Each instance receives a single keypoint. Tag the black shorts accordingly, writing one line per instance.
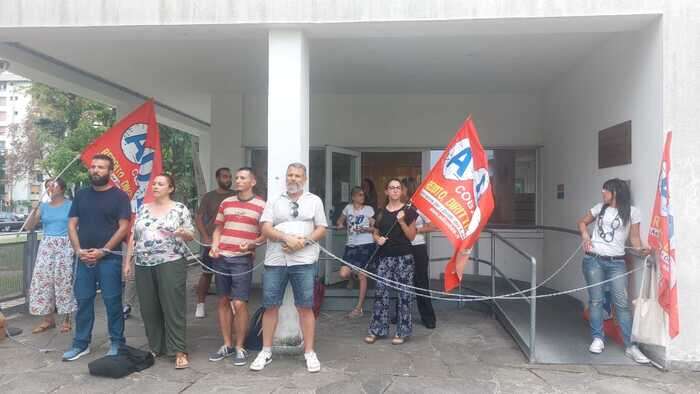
(236, 287)
(359, 255)
(207, 260)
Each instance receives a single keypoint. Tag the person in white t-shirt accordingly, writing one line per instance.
(293, 223)
(358, 219)
(615, 221)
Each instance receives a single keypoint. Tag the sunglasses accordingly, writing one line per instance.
(294, 206)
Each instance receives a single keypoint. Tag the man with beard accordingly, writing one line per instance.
(98, 222)
(290, 221)
(205, 222)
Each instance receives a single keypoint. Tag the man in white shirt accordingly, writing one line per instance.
(289, 222)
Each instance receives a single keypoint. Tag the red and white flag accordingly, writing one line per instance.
(457, 196)
(134, 145)
(662, 241)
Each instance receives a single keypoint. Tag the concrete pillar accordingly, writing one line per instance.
(288, 139)
(226, 137)
(681, 65)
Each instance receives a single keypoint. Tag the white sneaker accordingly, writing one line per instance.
(635, 354)
(312, 363)
(200, 313)
(597, 346)
(261, 361)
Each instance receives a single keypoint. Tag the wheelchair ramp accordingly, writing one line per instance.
(562, 335)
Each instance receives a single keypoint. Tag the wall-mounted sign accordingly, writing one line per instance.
(615, 145)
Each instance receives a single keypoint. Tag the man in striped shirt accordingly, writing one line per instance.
(236, 236)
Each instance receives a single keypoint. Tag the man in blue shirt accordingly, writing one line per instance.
(98, 222)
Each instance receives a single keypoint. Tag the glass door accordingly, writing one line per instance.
(342, 173)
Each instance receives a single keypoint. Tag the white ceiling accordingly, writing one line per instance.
(183, 66)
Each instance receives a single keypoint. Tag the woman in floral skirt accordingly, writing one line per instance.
(51, 289)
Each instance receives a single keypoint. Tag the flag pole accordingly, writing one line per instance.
(43, 193)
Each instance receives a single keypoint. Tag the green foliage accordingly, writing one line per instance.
(67, 123)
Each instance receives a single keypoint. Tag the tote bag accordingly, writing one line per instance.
(650, 325)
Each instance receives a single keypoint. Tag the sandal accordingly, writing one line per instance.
(398, 341)
(181, 361)
(355, 313)
(43, 327)
(66, 326)
(370, 339)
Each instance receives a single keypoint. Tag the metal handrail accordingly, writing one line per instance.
(493, 231)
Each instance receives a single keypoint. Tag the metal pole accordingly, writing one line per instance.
(475, 268)
(30, 248)
(533, 309)
(493, 273)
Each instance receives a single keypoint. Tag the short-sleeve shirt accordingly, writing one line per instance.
(421, 221)
(357, 219)
(241, 223)
(99, 213)
(609, 235)
(279, 212)
(54, 220)
(209, 207)
(154, 241)
(397, 243)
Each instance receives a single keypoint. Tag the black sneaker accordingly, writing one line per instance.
(223, 352)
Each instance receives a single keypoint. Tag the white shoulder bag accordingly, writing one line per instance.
(650, 323)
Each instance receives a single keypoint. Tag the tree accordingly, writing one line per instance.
(63, 124)
(66, 124)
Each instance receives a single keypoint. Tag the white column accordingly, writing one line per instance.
(288, 139)
(681, 65)
(226, 138)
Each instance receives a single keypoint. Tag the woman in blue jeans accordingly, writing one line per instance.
(614, 221)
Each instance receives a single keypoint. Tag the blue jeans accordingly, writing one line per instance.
(301, 277)
(597, 270)
(108, 273)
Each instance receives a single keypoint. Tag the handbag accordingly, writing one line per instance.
(253, 341)
(319, 293)
(127, 361)
(650, 324)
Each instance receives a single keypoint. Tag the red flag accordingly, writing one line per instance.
(134, 145)
(662, 241)
(457, 197)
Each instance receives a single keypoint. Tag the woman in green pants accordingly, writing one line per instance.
(158, 251)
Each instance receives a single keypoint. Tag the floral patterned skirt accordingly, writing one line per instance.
(52, 281)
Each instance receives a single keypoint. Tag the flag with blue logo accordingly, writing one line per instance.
(457, 196)
(134, 144)
(662, 241)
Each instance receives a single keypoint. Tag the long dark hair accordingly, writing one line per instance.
(621, 195)
(370, 193)
(411, 184)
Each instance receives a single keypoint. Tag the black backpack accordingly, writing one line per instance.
(253, 341)
(127, 361)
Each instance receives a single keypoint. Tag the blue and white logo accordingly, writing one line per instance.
(134, 147)
(459, 164)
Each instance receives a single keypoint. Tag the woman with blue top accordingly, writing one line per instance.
(52, 281)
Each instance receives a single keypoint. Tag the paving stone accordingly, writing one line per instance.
(469, 352)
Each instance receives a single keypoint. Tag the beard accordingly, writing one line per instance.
(97, 180)
(225, 185)
(294, 187)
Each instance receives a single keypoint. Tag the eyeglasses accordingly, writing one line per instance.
(394, 187)
(294, 206)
